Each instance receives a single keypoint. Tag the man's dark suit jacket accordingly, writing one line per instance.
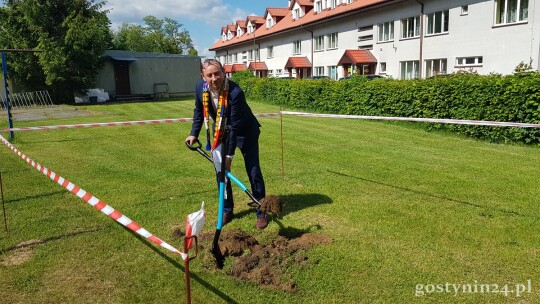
(244, 125)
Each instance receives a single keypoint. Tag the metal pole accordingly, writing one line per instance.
(4, 69)
(281, 130)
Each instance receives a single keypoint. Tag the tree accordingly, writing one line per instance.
(72, 36)
(157, 35)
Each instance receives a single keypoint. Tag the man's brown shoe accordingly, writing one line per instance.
(227, 217)
(262, 222)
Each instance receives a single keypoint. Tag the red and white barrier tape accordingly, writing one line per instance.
(114, 124)
(95, 202)
(436, 120)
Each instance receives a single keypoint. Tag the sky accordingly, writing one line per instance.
(203, 19)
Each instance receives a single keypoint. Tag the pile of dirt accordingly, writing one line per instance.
(266, 265)
(271, 204)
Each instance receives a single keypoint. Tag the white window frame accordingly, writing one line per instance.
(382, 67)
(409, 69)
(365, 47)
(437, 23)
(270, 51)
(408, 24)
(464, 10)
(386, 31)
(332, 41)
(503, 14)
(318, 6)
(296, 14)
(297, 47)
(319, 71)
(269, 21)
(433, 67)
(471, 61)
(333, 72)
(319, 43)
(235, 57)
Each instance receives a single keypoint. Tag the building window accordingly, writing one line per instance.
(382, 68)
(270, 51)
(469, 61)
(332, 41)
(269, 22)
(365, 38)
(235, 57)
(510, 11)
(410, 27)
(409, 69)
(297, 47)
(224, 37)
(279, 71)
(319, 43)
(334, 3)
(366, 47)
(296, 13)
(318, 6)
(386, 31)
(319, 71)
(365, 28)
(435, 67)
(464, 10)
(332, 72)
(229, 59)
(250, 55)
(437, 23)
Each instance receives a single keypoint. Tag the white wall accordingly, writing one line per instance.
(475, 34)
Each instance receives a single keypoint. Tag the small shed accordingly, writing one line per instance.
(154, 75)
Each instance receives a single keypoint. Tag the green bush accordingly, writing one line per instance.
(468, 96)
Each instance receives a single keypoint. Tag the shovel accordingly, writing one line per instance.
(197, 147)
(216, 252)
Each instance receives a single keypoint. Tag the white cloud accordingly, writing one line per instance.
(203, 19)
(206, 12)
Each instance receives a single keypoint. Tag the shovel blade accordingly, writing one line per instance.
(216, 252)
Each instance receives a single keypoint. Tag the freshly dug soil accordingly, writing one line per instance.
(271, 204)
(266, 265)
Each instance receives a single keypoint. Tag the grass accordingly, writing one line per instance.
(403, 206)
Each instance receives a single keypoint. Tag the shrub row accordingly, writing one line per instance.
(511, 98)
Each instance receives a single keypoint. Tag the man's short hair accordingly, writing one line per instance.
(209, 62)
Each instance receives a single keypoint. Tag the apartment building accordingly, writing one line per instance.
(402, 39)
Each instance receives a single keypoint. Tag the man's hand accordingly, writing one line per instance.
(191, 140)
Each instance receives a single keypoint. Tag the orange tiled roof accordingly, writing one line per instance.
(302, 3)
(258, 66)
(277, 11)
(287, 22)
(257, 19)
(241, 23)
(357, 56)
(298, 62)
(228, 68)
(238, 67)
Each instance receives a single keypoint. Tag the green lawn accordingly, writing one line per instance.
(403, 207)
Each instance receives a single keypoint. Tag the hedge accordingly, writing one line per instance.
(510, 98)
